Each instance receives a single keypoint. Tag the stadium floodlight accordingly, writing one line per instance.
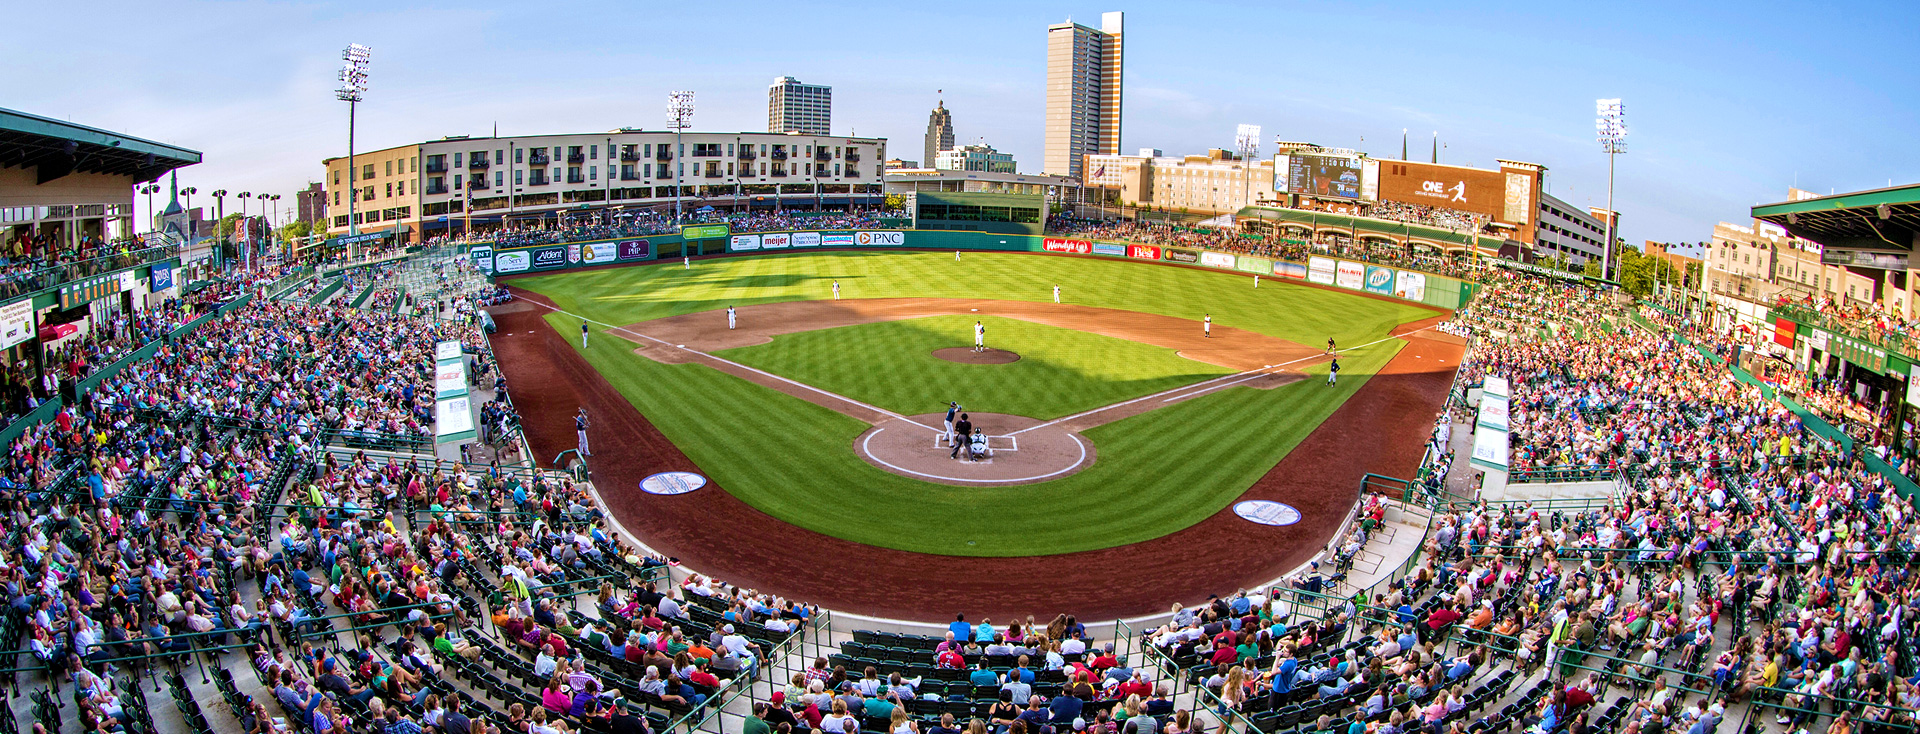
(353, 84)
(1611, 123)
(679, 117)
(1246, 140)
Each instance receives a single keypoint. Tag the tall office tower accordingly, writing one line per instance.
(939, 133)
(1083, 94)
(793, 107)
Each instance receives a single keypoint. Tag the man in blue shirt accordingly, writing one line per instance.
(960, 629)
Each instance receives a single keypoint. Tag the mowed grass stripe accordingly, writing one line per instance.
(1060, 371)
(1158, 472)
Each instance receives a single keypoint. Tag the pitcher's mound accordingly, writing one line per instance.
(966, 355)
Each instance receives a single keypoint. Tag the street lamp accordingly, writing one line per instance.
(191, 224)
(1247, 141)
(679, 117)
(150, 190)
(353, 83)
(1611, 123)
(246, 241)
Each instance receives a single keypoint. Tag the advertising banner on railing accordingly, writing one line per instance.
(1493, 412)
(512, 262)
(162, 277)
(1379, 279)
(1348, 274)
(636, 250)
(743, 243)
(1490, 449)
(1410, 285)
(1494, 386)
(450, 379)
(806, 239)
(549, 257)
(599, 253)
(1216, 260)
(880, 239)
(1259, 265)
(1286, 269)
(1783, 331)
(1108, 248)
(482, 258)
(453, 420)
(1320, 270)
(776, 240)
(1183, 256)
(1143, 252)
(16, 322)
(1058, 245)
(838, 239)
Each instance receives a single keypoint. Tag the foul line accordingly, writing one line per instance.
(1199, 388)
(723, 360)
(865, 445)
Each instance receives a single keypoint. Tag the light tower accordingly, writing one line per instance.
(1611, 123)
(1246, 140)
(353, 83)
(679, 117)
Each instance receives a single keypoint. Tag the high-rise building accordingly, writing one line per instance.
(939, 133)
(311, 203)
(975, 158)
(1083, 94)
(793, 107)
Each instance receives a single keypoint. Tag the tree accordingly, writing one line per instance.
(1596, 268)
(294, 230)
(895, 202)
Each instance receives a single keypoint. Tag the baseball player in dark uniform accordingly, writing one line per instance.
(580, 427)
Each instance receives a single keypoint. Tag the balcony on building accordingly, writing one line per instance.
(852, 172)
(629, 155)
(477, 163)
(716, 173)
(822, 154)
(779, 155)
(434, 166)
(479, 182)
(576, 157)
(853, 156)
(576, 178)
(433, 189)
(779, 173)
(662, 153)
(746, 153)
(538, 158)
(537, 178)
(631, 176)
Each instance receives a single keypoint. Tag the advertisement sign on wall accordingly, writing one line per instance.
(1913, 386)
(1056, 245)
(776, 240)
(162, 276)
(1410, 285)
(806, 239)
(1259, 265)
(482, 258)
(1783, 331)
(703, 231)
(843, 239)
(599, 253)
(16, 322)
(573, 254)
(1320, 270)
(511, 262)
(550, 257)
(1446, 187)
(744, 242)
(1183, 256)
(1350, 275)
(1379, 280)
(1286, 269)
(1144, 252)
(1216, 259)
(636, 250)
(1102, 248)
(880, 239)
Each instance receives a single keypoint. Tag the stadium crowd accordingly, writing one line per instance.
(1267, 245)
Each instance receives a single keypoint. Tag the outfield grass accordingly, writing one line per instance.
(1158, 472)
(1060, 372)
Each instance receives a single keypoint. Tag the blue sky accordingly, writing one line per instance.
(1729, 104)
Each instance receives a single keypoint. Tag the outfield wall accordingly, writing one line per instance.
(1411, 285)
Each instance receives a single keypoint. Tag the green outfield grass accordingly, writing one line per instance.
(1158, 472)
(891, 364)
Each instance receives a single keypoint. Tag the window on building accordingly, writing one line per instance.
(336, 177)
(497, 157)
(413, 164)
(456, 160)
(646, 150)
(518, 158)
(366, 172)
(403, 188)
(593, 173)
(499, 178)
(593, 152)
(519, 176)
(336, 196)
(389, 189)
(389, 168)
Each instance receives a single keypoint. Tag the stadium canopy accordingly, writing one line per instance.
(1883, 220)
(56, 149)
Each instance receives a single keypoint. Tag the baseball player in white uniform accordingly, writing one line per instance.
(979, 337)
(686, 261)
(1206, 326)
(1056, 294)
(956, 256)
(1256, 282)
(731, 322)
(836, 290)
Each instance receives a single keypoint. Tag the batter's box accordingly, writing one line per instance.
(994, 443)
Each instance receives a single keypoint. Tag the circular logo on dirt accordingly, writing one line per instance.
(682, 482)
(1266, 512)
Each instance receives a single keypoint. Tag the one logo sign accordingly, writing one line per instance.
(777, 240)
(598, 252)
(511, 262)
(1077, 246)
(806, 239)
(880, 239)
(1102, 248)
(573, 253)
(1266, 512)
(635, 250)
(1144, 252)
(836, 240)
(551, 257)
(672, 482)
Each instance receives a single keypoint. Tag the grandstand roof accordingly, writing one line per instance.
(1881, 219)
(56, 148)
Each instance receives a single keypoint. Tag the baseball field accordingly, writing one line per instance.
(771, 411)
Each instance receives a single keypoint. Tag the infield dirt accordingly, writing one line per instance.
(1381, 429)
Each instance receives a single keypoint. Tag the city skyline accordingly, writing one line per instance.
(1770, 100)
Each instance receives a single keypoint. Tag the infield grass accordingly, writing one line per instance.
(1158, 472)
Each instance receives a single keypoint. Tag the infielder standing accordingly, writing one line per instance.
(836, 290)
(730, 319)
(1206, 326)
(979, 337)
(1056, 294)
(583, 333)
(580, 427)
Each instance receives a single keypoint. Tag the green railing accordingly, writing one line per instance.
(50, 276)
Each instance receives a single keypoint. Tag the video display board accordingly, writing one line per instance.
(1324, 175)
